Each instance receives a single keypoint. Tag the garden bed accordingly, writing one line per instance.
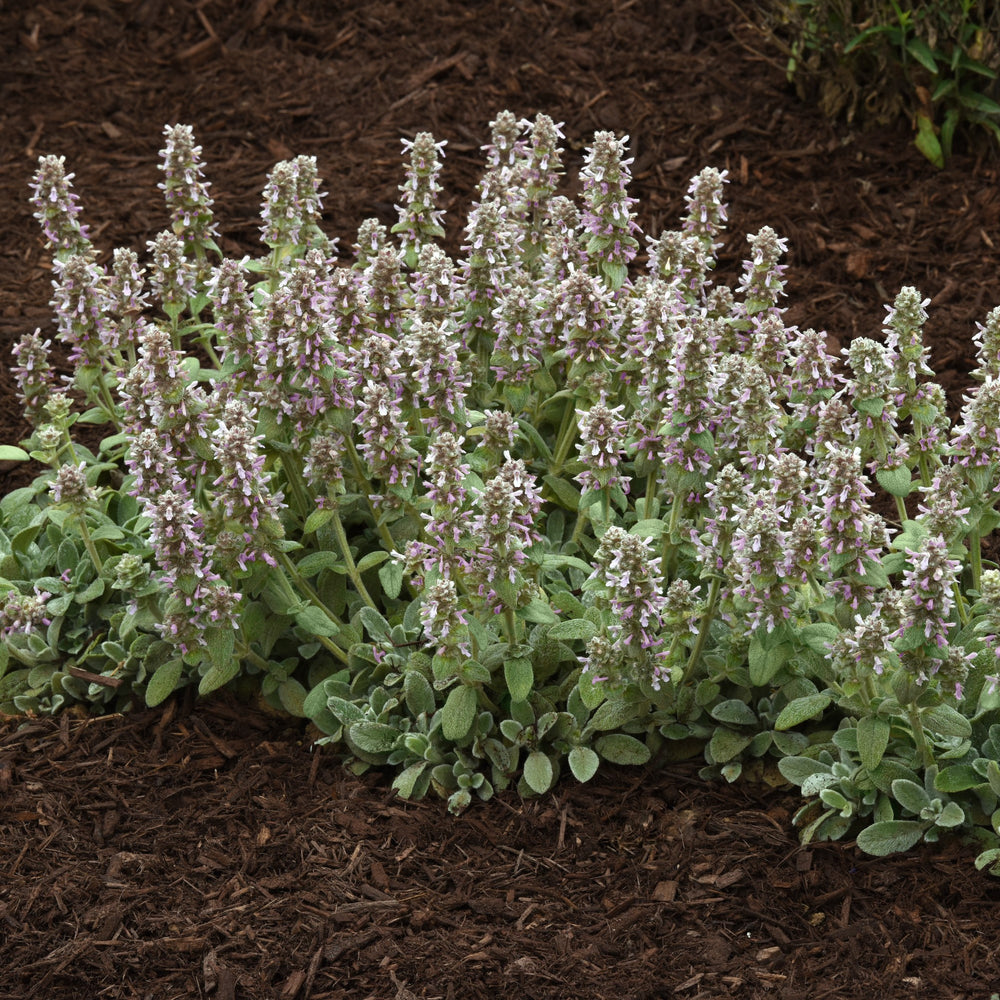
(204, 848)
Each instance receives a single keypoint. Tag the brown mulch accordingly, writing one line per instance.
(204, 850)
(208, 850)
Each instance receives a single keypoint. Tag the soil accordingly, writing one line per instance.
(205, 849)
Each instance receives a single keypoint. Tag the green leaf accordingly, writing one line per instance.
(765, 663)
(371, 560)
(406, 781)
(951, 816)
(591, 692)
(734, 712)
(218, 675)
(315, 701)
(650, 528)
(538, 772)
(583, 762)
(538, 612)
(520, 677)
(889, 771)
(873, 738)
(292, 695)
(374, 737)
(22, 539)
(817, 635)
(790, 744)
(316, 621)
(108, 530)
(221, 642)
(317, 519)
(346, 711)
(528, 429)
(615, 273)
(992, 858)
(798, 769)
(17, 503)
(910, 795)
(390, 575)
(316, 562)
(979, 102)
(833, 799)
(993, 777)
(92, 592)
(873, 406)
(946, 721)
(164, 682)
(897, 482)
(863, 36)
(726, 744)
(567, 494)
(574, 628)
(801, 709)
(620, 748)
(958, 778)
(418, 694)
(612, 715)
(9, 453)
(921, 51)
(927, 142)
(890, 837)
(458, 713)
(375, 624)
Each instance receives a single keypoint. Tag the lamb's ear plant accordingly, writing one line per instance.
(489, 520)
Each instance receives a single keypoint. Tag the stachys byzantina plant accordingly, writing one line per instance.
(545, 503)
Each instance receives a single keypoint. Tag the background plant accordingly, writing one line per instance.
(936, 62)
(487, 519)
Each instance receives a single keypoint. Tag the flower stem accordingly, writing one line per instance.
(302, 584)
(567, 434)
(651, 492)
(919, 739)
(706, 622)
(345, 551)
(88, 544)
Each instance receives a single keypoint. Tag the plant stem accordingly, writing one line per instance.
(706, 622)
(368, 490)
(565, 439)
(919, 739)
(292, 467)
(302, 584)
(975, 558)
(88, 543)
(345, 551)
(651, 492)
(510, 624)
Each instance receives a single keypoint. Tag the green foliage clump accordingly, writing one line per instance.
(488, 520)
(934, 62)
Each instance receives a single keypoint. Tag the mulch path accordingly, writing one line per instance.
(204, 849)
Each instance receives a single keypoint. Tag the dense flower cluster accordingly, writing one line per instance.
(602, 443)
(419, 218)
(292, 202)
(608, 218)
(33, 374)
(23, 614)
(184, 188)
(634, 583)
(57, 207)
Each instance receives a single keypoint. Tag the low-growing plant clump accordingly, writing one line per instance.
(935, 62)
(485, 520)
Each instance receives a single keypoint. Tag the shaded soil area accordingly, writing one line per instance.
(204, 850)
